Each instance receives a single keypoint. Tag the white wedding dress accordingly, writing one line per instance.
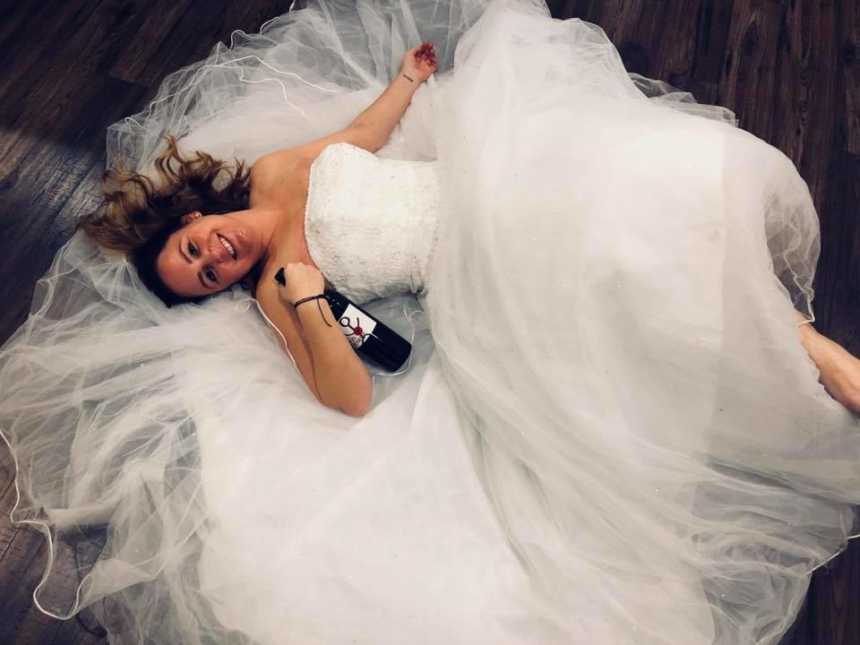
(608, 431)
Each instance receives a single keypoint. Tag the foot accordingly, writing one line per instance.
(839, 369)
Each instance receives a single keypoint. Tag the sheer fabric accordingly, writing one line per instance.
(608, 432)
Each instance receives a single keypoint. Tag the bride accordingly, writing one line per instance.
(191, 257)
(616, 425)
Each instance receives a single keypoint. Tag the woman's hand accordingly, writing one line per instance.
(419, 62)
(302, 280)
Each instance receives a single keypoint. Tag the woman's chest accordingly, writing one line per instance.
(286, 191)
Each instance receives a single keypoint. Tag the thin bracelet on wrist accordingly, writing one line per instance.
(318, 297)
(409, 78)
(308, 299)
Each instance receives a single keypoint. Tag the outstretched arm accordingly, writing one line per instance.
(369, 130)
(385, 112)
(840, 370)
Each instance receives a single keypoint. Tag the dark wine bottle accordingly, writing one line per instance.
(369, 336)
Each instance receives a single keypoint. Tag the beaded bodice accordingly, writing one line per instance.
(371, 223)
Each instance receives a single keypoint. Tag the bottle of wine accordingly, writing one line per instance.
(370, 337)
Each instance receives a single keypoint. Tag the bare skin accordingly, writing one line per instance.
(839, 369)
(210, 253)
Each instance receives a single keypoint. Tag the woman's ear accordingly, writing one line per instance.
(190, 217)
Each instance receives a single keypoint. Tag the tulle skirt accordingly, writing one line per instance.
(608, 431)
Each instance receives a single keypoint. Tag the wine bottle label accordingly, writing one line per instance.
(356, 326)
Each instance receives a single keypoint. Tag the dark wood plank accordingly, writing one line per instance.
(7, 501)
(748, 81)
(203, 25)
(712, 32)
(804, 127)
(155, 25)
(848, 14)
(28, 38)
(57, 96)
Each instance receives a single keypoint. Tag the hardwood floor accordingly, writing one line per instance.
(788, 68)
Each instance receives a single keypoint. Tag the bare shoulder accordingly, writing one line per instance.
(278, 171)
(280, 160)
(302, 156)
(283, 174)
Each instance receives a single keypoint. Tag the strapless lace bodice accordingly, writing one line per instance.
(371, 223)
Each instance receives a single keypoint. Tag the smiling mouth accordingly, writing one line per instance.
(226, 243)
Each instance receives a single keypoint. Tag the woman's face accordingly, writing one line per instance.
(208, 254)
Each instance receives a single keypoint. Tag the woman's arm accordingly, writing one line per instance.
(370, 129)
(839, 369)
(378, 120)
(342, 379)
(330, 367)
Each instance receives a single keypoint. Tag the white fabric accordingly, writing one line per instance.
(371, 223)
(608, 432)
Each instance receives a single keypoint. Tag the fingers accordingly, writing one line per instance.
(294, 272)
(281, 277)
(425, 52)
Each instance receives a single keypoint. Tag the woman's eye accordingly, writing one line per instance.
(192, 249)
(210, 274)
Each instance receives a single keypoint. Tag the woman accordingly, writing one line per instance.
(193, 257)
(613, 434)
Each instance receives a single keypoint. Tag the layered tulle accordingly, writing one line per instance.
(613, 305)
(609, 431)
